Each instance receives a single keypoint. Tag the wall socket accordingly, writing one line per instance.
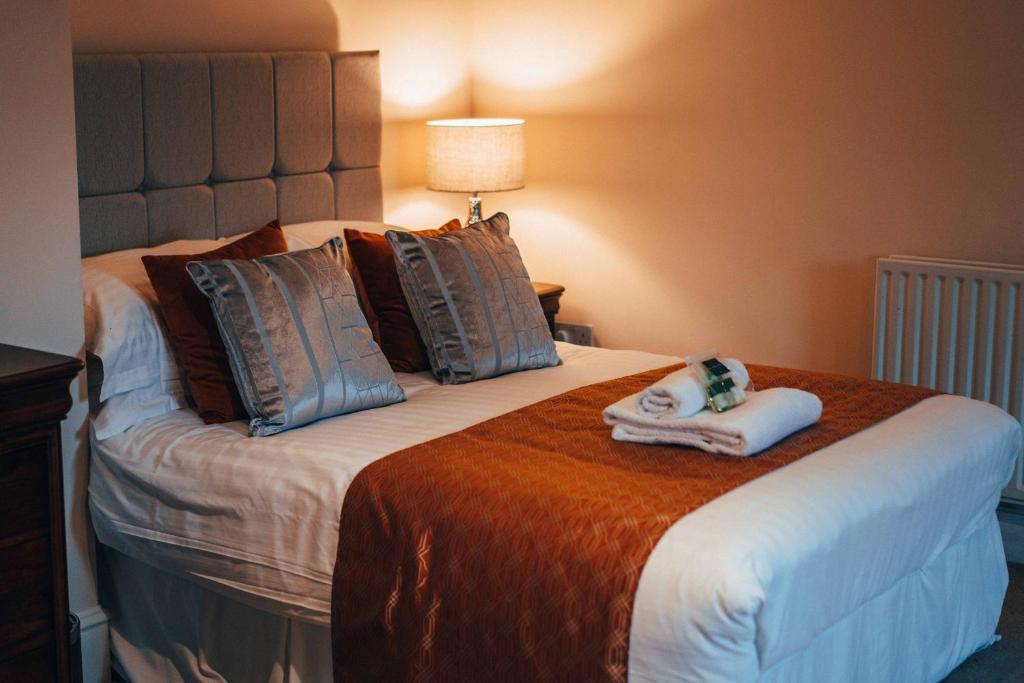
(581, 334)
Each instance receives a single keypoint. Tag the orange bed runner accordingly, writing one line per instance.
(512, 550)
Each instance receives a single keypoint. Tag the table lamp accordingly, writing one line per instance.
(475, 155)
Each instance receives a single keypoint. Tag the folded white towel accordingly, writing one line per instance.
(681, 394)
(763, 419)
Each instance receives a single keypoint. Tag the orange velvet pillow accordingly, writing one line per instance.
(193, 332)
(380, 292)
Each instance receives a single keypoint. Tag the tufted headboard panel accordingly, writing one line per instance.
(205, 145)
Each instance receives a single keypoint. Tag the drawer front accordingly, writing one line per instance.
(33, 589)
(25, 489)
(36, 665)
(26, 597)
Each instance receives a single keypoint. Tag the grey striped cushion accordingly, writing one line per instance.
(298, 343)
(472, 301)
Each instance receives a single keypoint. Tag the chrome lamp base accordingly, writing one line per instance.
(474, 210)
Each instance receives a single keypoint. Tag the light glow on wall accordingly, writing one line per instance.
(413, 87)
(538, 45)
(418, 208)
(424, 52)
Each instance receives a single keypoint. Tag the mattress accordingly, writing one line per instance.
(736, 590)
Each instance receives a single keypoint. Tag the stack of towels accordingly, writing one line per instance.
(674, 411)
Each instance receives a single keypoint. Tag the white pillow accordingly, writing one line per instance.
(124, 329)
(122, 322)
(313, 234)
(122, 412)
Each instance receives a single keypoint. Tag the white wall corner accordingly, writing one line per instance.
(95, 645)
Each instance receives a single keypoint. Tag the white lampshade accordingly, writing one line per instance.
(475, 155)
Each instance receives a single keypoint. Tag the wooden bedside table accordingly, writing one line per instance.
(34, 398)
(549, 296)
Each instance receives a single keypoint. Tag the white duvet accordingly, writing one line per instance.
(884, 544)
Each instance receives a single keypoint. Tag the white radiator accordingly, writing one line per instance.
(955, 326)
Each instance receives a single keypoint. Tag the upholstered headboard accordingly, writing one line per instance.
(199, 146)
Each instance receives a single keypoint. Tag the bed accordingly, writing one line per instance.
(875, 558)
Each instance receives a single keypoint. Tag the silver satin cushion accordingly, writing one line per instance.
(299, 346)
(473, 302)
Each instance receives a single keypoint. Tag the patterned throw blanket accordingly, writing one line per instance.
(512, 550)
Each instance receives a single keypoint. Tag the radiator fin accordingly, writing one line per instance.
(955, 326)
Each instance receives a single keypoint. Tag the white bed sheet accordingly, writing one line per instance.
(736, 590)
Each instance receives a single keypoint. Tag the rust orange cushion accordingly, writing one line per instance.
(191, 328)
(380, 293)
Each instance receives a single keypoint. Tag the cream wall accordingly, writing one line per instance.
(40, 278)
(722, 173)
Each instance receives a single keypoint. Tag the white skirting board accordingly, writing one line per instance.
(95, 645)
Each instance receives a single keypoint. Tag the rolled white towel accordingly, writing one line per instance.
(681, 394)
(765, 418)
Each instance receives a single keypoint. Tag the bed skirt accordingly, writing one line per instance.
(168, 628)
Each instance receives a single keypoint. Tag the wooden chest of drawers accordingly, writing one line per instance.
(34, 398)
